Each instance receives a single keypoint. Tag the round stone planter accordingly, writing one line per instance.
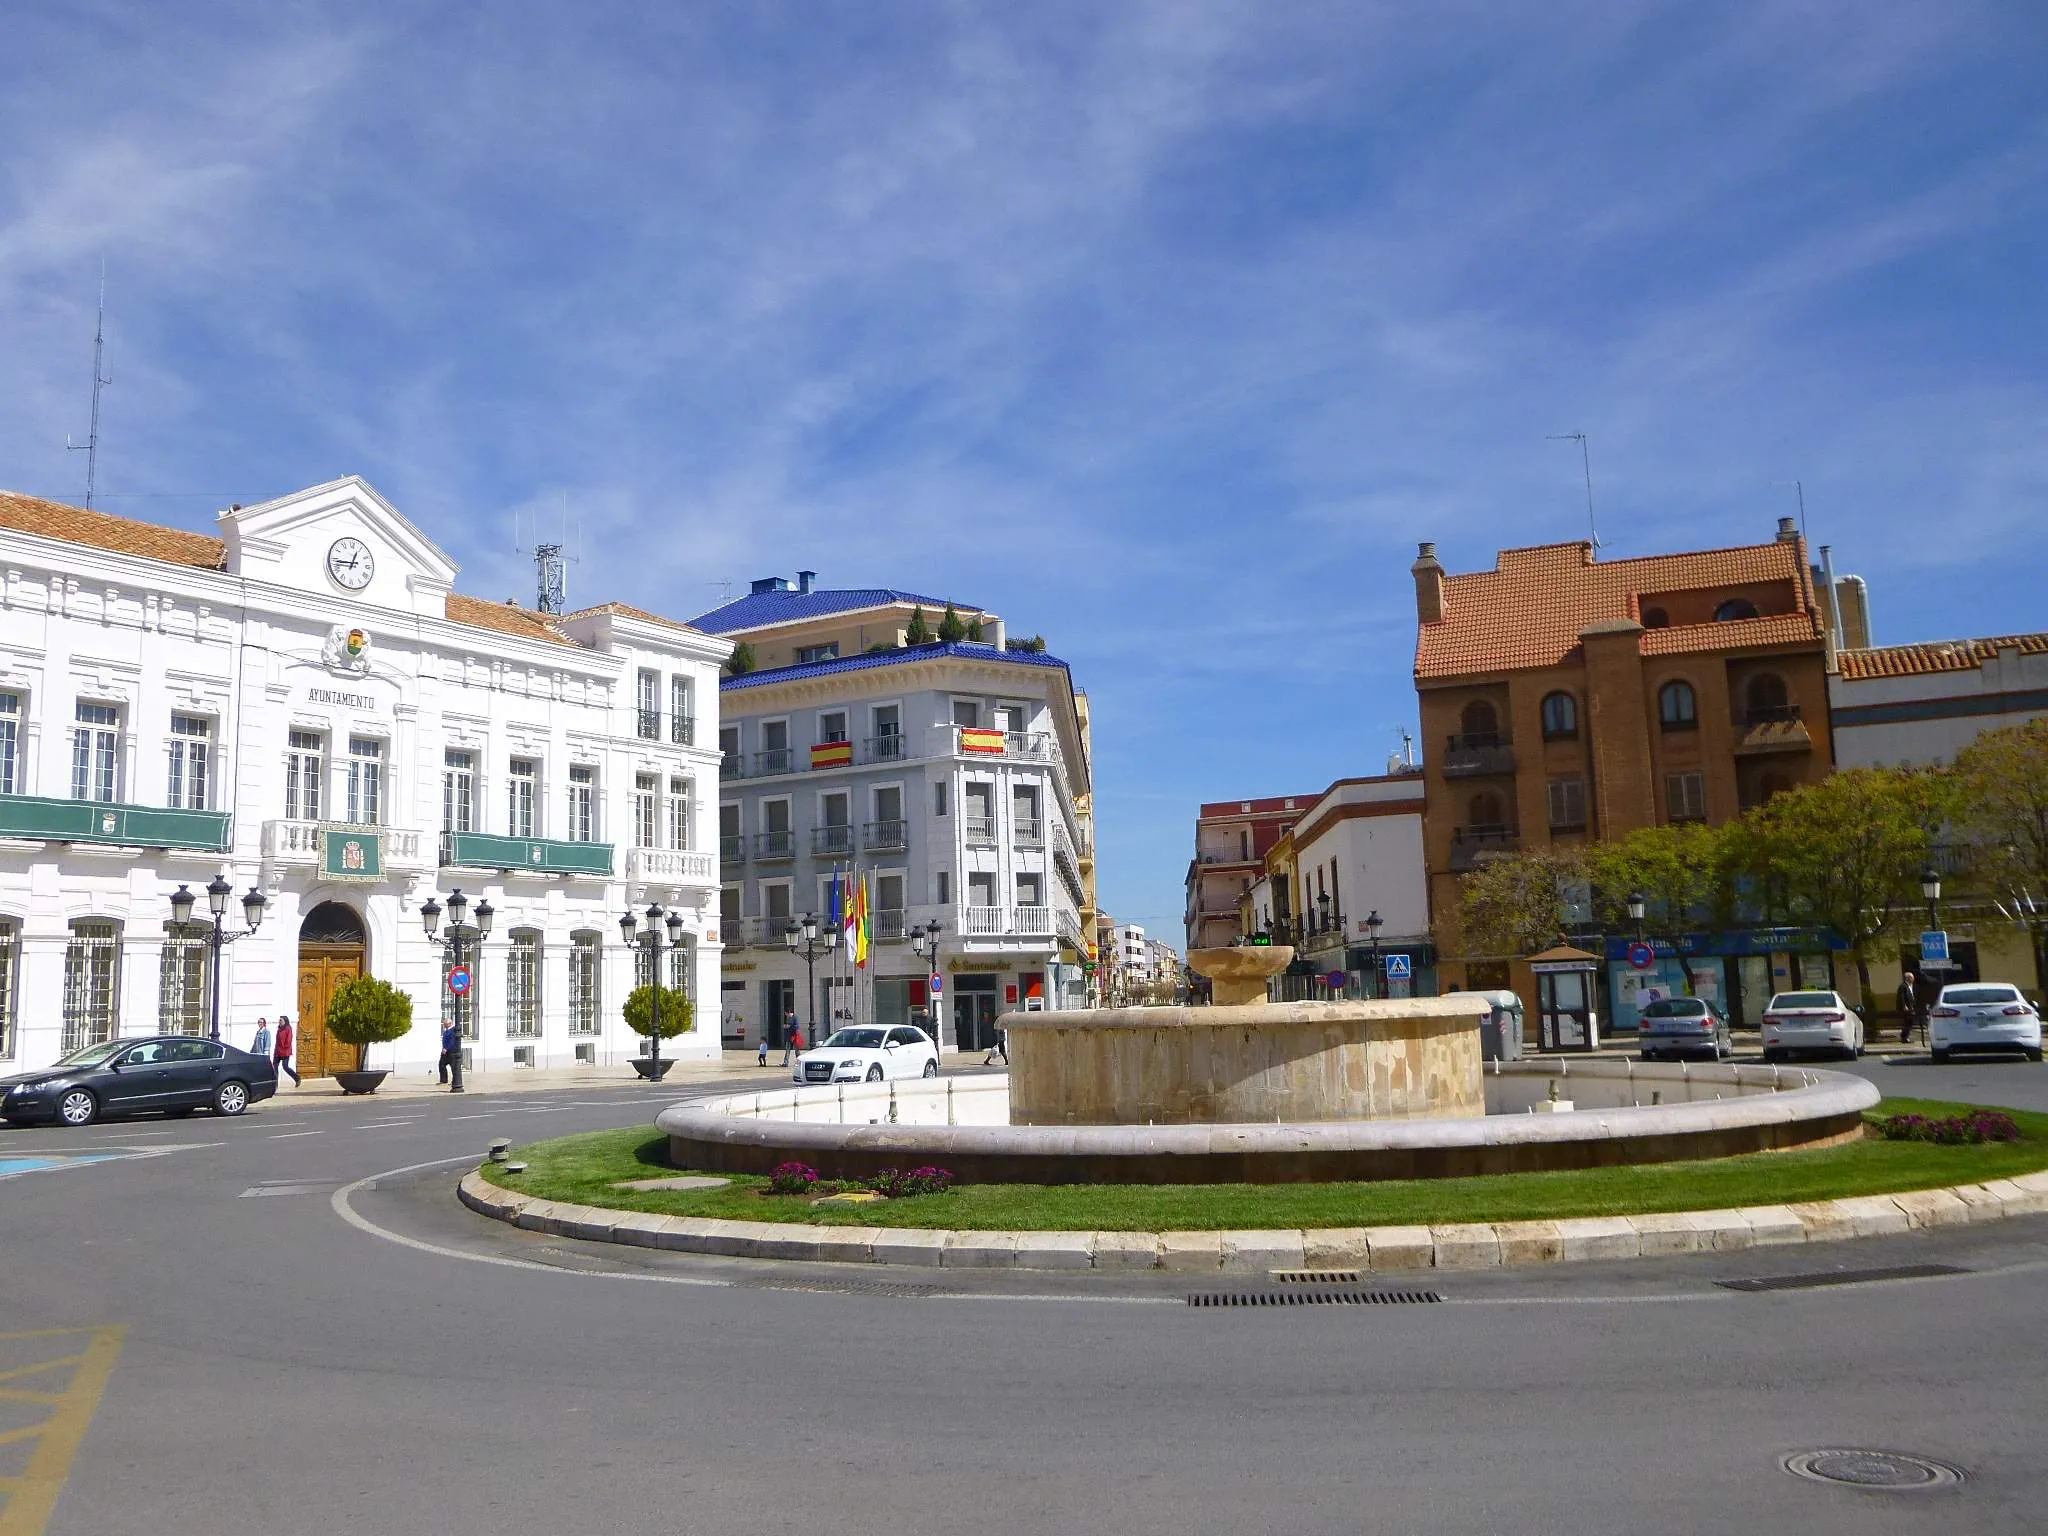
(360, 1082)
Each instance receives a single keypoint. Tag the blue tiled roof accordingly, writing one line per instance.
(909, 653)
(759, 608)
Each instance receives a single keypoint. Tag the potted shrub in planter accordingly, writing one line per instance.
(678, 1017)
(362, 1013)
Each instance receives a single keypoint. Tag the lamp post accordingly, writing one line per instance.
(461, 935)
(802, 938)
(924, 943)
(647, 933)
(217, 893)
(1373, 924)
(1930, 887)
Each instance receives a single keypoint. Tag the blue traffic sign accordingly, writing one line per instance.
(458, 980)
(1934, 947)
(1398, 968)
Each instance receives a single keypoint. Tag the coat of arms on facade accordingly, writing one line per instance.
(347, 650)
(352, 856)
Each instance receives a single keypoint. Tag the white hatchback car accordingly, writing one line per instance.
(869, 1053)
(1983, 1016)
(1811, 1021)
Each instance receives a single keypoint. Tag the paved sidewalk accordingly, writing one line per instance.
(736, 1067)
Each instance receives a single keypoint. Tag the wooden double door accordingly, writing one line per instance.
(323, 968)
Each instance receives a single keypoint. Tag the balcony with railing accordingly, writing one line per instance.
(287, 843)
(112, 822)
(978, 829)
(731, 765)
(890, 923)
(988, 741)
(1473, 846)
(774, 846)
(832, 840)
(774, 760)
(670, 866)
(1028, 831)
(1478, 754)
(892, 748)
(682, 730)
(732, 849)
(649, 724)
(885, 836)
(1773, 728)
(535, 855)
(1005, 922)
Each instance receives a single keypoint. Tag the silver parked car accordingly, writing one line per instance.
(1684, 1026)
(1811, 1021)
(1983, 1016)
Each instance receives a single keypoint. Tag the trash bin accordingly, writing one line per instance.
(1500, 1029)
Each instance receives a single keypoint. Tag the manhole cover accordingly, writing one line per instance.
(1872, 1469)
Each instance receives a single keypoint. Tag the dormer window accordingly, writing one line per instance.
(1735, 608)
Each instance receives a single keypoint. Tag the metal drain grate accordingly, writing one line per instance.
(1315, 1277)
(1841, 1277)
(1310, 1297)
(1891, 1471)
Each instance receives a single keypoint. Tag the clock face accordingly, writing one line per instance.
(349, 563)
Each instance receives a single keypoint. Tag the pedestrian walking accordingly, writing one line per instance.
(260, 1046)
(1909, 1005)
(1000, 1048)
(451, 1049)
(797, 1040)
(281, 1053)
(762, 1059)
(789, 1034)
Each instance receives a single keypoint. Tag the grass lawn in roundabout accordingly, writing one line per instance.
(587, 1170)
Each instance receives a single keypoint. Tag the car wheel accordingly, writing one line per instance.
(78, 1107)
(1939, 1053)
(1649, 1055)
(2034, 1054)
(1773, 1055)
(230, 1098)
(875, 1073)
(931, 1068)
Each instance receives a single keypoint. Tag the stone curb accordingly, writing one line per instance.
(1378, 1250)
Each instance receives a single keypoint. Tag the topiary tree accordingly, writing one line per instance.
(950, 627)
(365, 1012)
(741, 661)
(974, 629)
(917, 632)
(678, 1014)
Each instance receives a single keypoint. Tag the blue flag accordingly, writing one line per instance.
(838, 914)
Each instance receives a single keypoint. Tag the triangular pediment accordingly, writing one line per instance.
(293, 541)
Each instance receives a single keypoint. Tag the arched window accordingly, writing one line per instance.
(1656, 618)
(1480, 724)
(1486, 811)
(1735, 608)
(1678, 708)
(1560, 716)
(1765, 694)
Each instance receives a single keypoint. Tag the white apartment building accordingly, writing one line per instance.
(1919, 705)
(1133, 959)
(306, 707)
(953, 776)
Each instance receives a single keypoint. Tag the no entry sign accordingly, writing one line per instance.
(458, 980)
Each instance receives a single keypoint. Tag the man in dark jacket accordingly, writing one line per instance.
(1909, 1006)
(451, 1056)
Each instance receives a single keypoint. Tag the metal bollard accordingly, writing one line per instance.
(501, 1149)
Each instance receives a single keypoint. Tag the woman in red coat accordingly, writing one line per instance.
(286, 1039)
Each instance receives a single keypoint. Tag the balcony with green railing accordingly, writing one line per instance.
(112, 822)
(536, 855)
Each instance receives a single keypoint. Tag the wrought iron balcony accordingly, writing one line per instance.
(1478, 754)
(829, 840)
(650, 724)
(891, 748)
(1473, 846)
(1030, 831)
(978, 829)
(774, 760)
(731, 765)
(889, 922)
(774, 845)
(885, 836)
(682, 730)
(732, 849)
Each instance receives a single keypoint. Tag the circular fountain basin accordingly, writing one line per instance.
(1622, 1112)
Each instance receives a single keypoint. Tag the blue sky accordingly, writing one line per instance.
(1164, 329)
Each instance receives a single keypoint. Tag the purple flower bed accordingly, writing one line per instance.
(893, 1184)
(1973, 1129)
(793, 1179)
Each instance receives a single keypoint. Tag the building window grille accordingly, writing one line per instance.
(1560, 717)
(650, 705)
(470, 1004)
(582, 804)
(92, 971)
(304, 763)
(95, 745)
(458, 791)
(365, 781)
(682, 721)
(181, 981)
(1567, 804)
(10, 951)
(1686, 796)
(1678, 708)
(522, 987)
(679, 959)
(521, 788)
(10, 744)
(586, 971)
(191, 760)
(646, 823)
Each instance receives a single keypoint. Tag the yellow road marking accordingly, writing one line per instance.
(47, 1365)
(32, 1496)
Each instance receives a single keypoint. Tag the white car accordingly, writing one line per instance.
(1983, 1016)
(1811, 1021)
(869, 1053)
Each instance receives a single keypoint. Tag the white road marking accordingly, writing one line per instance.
(380, 1125)
(453, 1118)
(289, 1135)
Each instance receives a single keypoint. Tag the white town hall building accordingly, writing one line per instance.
(304, 705)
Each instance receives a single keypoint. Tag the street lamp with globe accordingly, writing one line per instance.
(647, 934)
(217, 893)
(802, 938)
(462, 935)
(924, 943)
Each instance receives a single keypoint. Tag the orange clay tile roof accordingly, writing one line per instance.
(509, 618)
(75, 525)
(1531, 608)
(1935, 656)
(628, 611)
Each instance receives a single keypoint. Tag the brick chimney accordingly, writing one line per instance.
(1788, 529)
(1429, 585)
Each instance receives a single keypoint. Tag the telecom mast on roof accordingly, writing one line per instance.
(550, 568)
(91, 446)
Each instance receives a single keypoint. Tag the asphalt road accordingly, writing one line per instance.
(338, 1356)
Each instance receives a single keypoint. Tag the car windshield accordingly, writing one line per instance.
(91, 1055)
(1804, 1000)
(1675, 1008)
(1980, 994)
(856, 1039)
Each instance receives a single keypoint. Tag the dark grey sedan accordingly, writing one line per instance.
(1684, 1026)
(173, 1074)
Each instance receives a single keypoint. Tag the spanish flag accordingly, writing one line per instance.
(861, 923)
(832, 754)
(981, 739)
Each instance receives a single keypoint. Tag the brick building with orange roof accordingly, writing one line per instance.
(1566, 699)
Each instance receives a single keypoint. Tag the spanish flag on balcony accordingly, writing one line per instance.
(832, 754)
(981, 739)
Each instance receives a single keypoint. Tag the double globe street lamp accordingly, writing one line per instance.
(217, 894)
(924, 943)
(461, 935)
(802, 937)
(646, 933)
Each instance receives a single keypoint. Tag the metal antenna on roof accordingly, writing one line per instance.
(550, 562)
(1800, 487)
(724, 585)
(91, 446)
(1586, 458)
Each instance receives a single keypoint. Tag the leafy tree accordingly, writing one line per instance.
(950, 627)
(1846, 853)
(741, 661)
(974, 629)
(1681, 872)
(917, 631)
(2001, 784)
(365, 1012)
(1029, 644)
(1516, 905)
(678, 1013)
